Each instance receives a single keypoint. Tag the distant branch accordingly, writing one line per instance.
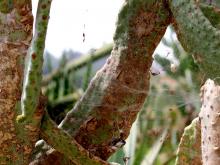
(78, 63)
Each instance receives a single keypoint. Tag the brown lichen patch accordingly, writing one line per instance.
(44, 17)
(144, 24)
(91, 125)
(33, 56)
(51, 157)
(10, 90)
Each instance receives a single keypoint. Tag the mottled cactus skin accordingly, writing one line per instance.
(6, 6)
(115, 94)
(34, 63)
(63, 143)
(212, 13)
(141, 25)
(210, 123)
(15, 34)
(189, 151)
(197, 35)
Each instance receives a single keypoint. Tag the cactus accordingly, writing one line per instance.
(34, 63)
(15, 35)
(189, 148)
(88, 72)
(193, 27)
(210, 128)
(64, 144)
(109, 111)
(115, 95)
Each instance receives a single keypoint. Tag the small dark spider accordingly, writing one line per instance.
(117, 142)
(154, 73)
(84, 37)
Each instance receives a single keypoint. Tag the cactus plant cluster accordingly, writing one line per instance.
(101, 120)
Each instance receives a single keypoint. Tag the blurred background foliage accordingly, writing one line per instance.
(172, 102)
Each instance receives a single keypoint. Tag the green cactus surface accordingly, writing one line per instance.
(193, 27)
(34, 63)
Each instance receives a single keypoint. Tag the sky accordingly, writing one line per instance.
(69, 19)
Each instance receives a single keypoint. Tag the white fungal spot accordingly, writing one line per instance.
(173, 67)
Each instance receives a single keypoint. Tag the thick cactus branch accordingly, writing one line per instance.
(63, 143)
(15, 36)
(212, 13)
(193, 27)
(117, 92)
(210, 123)
(189, 150)
(34, 63)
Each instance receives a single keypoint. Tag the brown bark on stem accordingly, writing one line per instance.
(117, 92)
(110, 105)
(15, 36)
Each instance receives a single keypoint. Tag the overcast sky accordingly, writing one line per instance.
(69, 19)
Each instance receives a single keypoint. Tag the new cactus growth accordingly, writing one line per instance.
(34, 63)
(189, 151)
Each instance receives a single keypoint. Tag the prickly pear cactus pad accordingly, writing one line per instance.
(210, 123)
(15, 34)
(198, 35)
(189, 151)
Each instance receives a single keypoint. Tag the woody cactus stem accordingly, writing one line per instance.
(66, 145)
(189, 151)
(33, 64)
(210, 123)
(110, 105)
(193, 27)
(212, 13)
(15, 34)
